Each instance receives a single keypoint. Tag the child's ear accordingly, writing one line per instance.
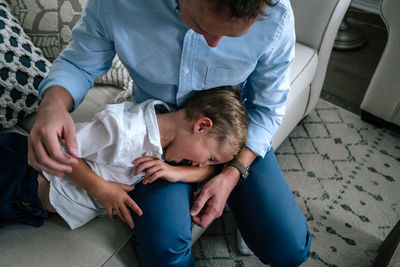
(202, 124)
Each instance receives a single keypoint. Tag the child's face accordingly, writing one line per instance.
(199, 150)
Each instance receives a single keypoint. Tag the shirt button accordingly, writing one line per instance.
(186, 70)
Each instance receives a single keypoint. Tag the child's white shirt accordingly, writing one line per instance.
(118, 134)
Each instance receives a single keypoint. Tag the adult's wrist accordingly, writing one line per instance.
(232, 174)
(243, 170)
(243, 160)
(57, 96)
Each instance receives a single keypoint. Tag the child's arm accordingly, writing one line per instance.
(155, 168)
(111, 195)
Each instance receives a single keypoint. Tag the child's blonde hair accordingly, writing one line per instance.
(223, 106)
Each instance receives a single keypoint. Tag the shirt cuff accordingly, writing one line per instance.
(258, 140)
(64, 75)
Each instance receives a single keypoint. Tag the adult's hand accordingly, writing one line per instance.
(210, 203)
(52, 123)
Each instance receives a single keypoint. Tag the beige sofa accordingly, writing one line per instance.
(381, 102)
(103, 242)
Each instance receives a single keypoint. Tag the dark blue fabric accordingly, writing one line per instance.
(268, 217)
(162, 235)
(264, 208)
(19, 200)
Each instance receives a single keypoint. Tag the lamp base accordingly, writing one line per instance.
(349, 36)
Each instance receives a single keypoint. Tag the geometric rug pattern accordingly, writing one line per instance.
(345, 176)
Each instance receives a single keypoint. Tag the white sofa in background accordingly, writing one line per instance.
(381, 102)
(103, 242)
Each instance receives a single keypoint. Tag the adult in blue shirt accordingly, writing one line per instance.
(172, 48)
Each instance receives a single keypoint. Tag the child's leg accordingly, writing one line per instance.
(43, 192)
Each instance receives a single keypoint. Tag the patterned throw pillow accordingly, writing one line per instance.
(49, 24)
(22, 68)
(117, 75)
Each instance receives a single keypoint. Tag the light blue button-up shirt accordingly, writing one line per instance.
(168, 61)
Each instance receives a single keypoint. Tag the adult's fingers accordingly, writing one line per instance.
(203, 219)
(195, 195)
(32, 161)
(53, 148)
(200, 201)
(70, 140)
(39, 155)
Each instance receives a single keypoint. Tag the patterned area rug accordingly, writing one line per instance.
(345, 176)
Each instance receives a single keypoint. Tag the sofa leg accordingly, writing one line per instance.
(368, 117)
(389, 252)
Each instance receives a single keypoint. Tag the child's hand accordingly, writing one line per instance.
(113, 196)
(155, 168)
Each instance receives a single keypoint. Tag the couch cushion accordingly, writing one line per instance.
(22, 68)
(302, 74)
(303, 71)
(97, 97)
(54, 244)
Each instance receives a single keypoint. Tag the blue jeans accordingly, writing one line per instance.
(266, 213)
(19, 200)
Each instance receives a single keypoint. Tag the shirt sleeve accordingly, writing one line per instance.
(114, 137)
(97, 138)
(267, 88)
(87, 56)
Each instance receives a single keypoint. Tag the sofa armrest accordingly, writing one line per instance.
(317, 22)
(382, 98)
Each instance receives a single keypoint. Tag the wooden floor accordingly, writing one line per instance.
(349, 72)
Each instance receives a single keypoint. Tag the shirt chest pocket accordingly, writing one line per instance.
(225, 76)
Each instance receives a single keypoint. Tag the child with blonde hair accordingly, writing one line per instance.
(124, 144)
